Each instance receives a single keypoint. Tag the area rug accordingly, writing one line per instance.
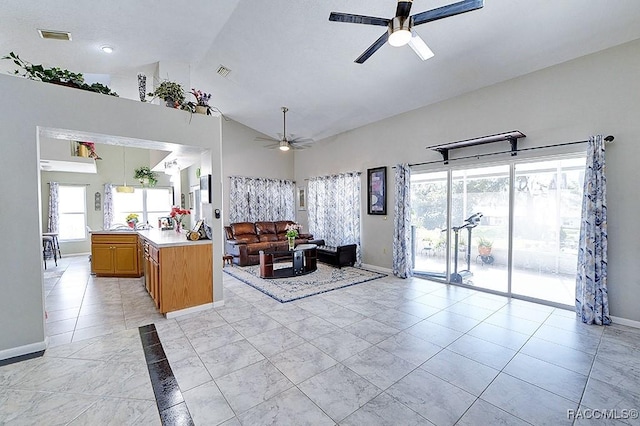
(325, 279)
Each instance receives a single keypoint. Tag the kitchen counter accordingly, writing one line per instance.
(168, 238)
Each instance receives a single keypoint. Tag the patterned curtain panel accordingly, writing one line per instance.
(257, 199)
(54, 217)
(402, 266)
(107, 219)
(334, 209)
(592, 304)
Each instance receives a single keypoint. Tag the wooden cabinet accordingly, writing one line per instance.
(178, 277)
(115, 255)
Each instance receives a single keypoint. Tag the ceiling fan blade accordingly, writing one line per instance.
(301, 140)
(372, 49)
(404, 8)
(260, 138)
(358, 19)
(273, 145)
(420, 47)
(447, 11)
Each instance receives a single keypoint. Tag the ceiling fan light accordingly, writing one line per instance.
(399, 31)
(284, 146)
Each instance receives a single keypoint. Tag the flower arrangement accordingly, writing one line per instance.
(201, 104)
(146, 176)
(202, 98)
(132, 219)
(293, 230)
(178, 214)
(92, 150)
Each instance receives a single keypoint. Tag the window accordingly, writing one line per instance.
(72, 210)
(148, 203)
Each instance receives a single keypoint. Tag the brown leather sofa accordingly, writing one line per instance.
(245, 240)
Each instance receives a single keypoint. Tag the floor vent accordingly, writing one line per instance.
(55, 35)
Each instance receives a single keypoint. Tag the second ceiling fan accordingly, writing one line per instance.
(285, 144)
(400, 27)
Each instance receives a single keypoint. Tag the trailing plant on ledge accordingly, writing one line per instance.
(143, 174)
(170, 92)
(56, 75)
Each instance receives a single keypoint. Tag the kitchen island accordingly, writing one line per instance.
(178, 274)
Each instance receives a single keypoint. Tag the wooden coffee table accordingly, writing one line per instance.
(302, 258)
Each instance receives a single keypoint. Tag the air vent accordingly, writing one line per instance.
(55, 35)
(223, 71)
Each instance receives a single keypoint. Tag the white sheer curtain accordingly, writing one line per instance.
(257, 199)
(334, 209)
(107, 220)
(53, 215)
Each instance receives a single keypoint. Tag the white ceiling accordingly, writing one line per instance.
(289, 53)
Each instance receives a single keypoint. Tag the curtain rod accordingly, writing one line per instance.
(607, 139)
(70, 184)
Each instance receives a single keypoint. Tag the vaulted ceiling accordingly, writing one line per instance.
(288, 52)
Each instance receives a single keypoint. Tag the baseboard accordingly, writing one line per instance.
(23, 350)
(377, 269)
(190, 310)
(624, 321)
(218, 304)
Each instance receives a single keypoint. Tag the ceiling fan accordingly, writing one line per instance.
(285, 144)
(400, 28)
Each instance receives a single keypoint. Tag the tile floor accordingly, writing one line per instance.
(390, 351)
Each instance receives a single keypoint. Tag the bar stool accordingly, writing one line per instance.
(56, 245)
(48, 250)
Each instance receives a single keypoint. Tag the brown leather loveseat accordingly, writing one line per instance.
(244, 240)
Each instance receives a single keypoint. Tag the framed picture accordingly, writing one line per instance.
(205, 189)
(302, 198)
(377, 191)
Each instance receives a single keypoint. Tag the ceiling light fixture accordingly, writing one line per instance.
(399, 31)
(284, 145)
(124, 188)
(107, 49)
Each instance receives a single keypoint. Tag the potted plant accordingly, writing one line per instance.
(201, 105)
(56, 76)
(169, 91)
(484, 246)
(146, 176)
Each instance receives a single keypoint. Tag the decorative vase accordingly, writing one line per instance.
(169, 103)
(83, 151)
(201, 109)
(142, 86)
(292, 242)
(178, 227)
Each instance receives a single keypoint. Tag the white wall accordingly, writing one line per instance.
(568, 102)
(244, 156)
(33, 105)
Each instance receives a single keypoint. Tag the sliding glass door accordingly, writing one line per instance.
(539, 200)
(429, 221)
(480, 218)
(546, 228)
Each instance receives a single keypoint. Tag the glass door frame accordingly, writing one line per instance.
(511, 162)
